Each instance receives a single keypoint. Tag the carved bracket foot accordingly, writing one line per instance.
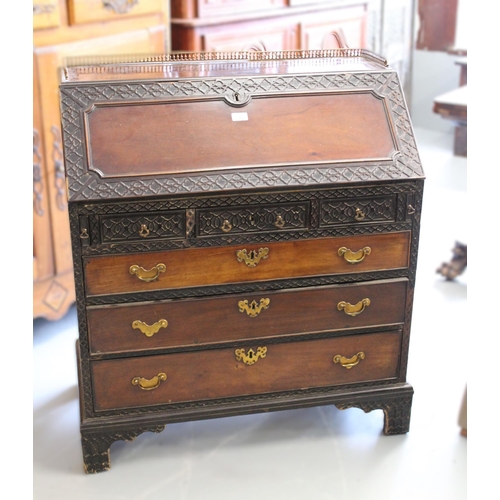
(96, 444)
(397, 412)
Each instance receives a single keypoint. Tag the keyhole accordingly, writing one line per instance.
(237, 97)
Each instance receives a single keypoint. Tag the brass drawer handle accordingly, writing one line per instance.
(353, 310)
(149, 385)
(226, 226)
(252, 258)
(349, 362)
(144, 231)
(360, 215)
(149, 330)
(251, 357)
(253, 309)
(148, 275)
(279, 222)
(354, 257)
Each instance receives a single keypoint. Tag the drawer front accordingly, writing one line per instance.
(166, 225)
(204, 8)
(91, 11)
(180, 323)
(220, 373)
(378, 209)
(245, 263)
(254, 219)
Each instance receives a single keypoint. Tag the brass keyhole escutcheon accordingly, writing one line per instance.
(144, 231)
(253, 257)
(251, 357)
(360, 215)
(253, 309)
(226, 226)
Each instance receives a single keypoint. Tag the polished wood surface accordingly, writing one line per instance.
(291, 312)
(130, 140)
(217, 373)
(210, 266)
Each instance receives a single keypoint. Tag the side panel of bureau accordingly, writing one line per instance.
(218, 373)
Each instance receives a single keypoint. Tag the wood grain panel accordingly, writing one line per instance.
(217, 373)
(289, 312)
(127, 140)
(209, 266)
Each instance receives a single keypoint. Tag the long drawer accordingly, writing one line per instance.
(252, 369)
(245, 263)
(192, 322)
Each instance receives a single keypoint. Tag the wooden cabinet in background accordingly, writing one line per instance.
(383, 26)
(62, 29)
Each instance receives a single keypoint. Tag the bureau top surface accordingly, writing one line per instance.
(207, 122)
(217, 65)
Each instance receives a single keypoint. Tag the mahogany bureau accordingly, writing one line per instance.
(245, 231)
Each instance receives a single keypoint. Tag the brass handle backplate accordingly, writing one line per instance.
(354, 257)
(252, 258)
(150, 274)
(149, 330)
(149, 384)
(253, 309)
(349, 362)
(353, 310)
(251, 357)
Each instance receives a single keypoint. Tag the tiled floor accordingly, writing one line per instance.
(308, 454)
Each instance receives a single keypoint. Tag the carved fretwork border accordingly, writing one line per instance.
(86, 185)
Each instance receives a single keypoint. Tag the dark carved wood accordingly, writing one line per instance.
(296, 209)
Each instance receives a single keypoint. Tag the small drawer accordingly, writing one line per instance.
(359, 210)
(181, 323)
(187, 9)
(254, 368)
(245, 263)
(253, 219)
(46, 14)
(91, 11)
(165, 225)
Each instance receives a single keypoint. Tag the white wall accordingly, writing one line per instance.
(434, 73)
